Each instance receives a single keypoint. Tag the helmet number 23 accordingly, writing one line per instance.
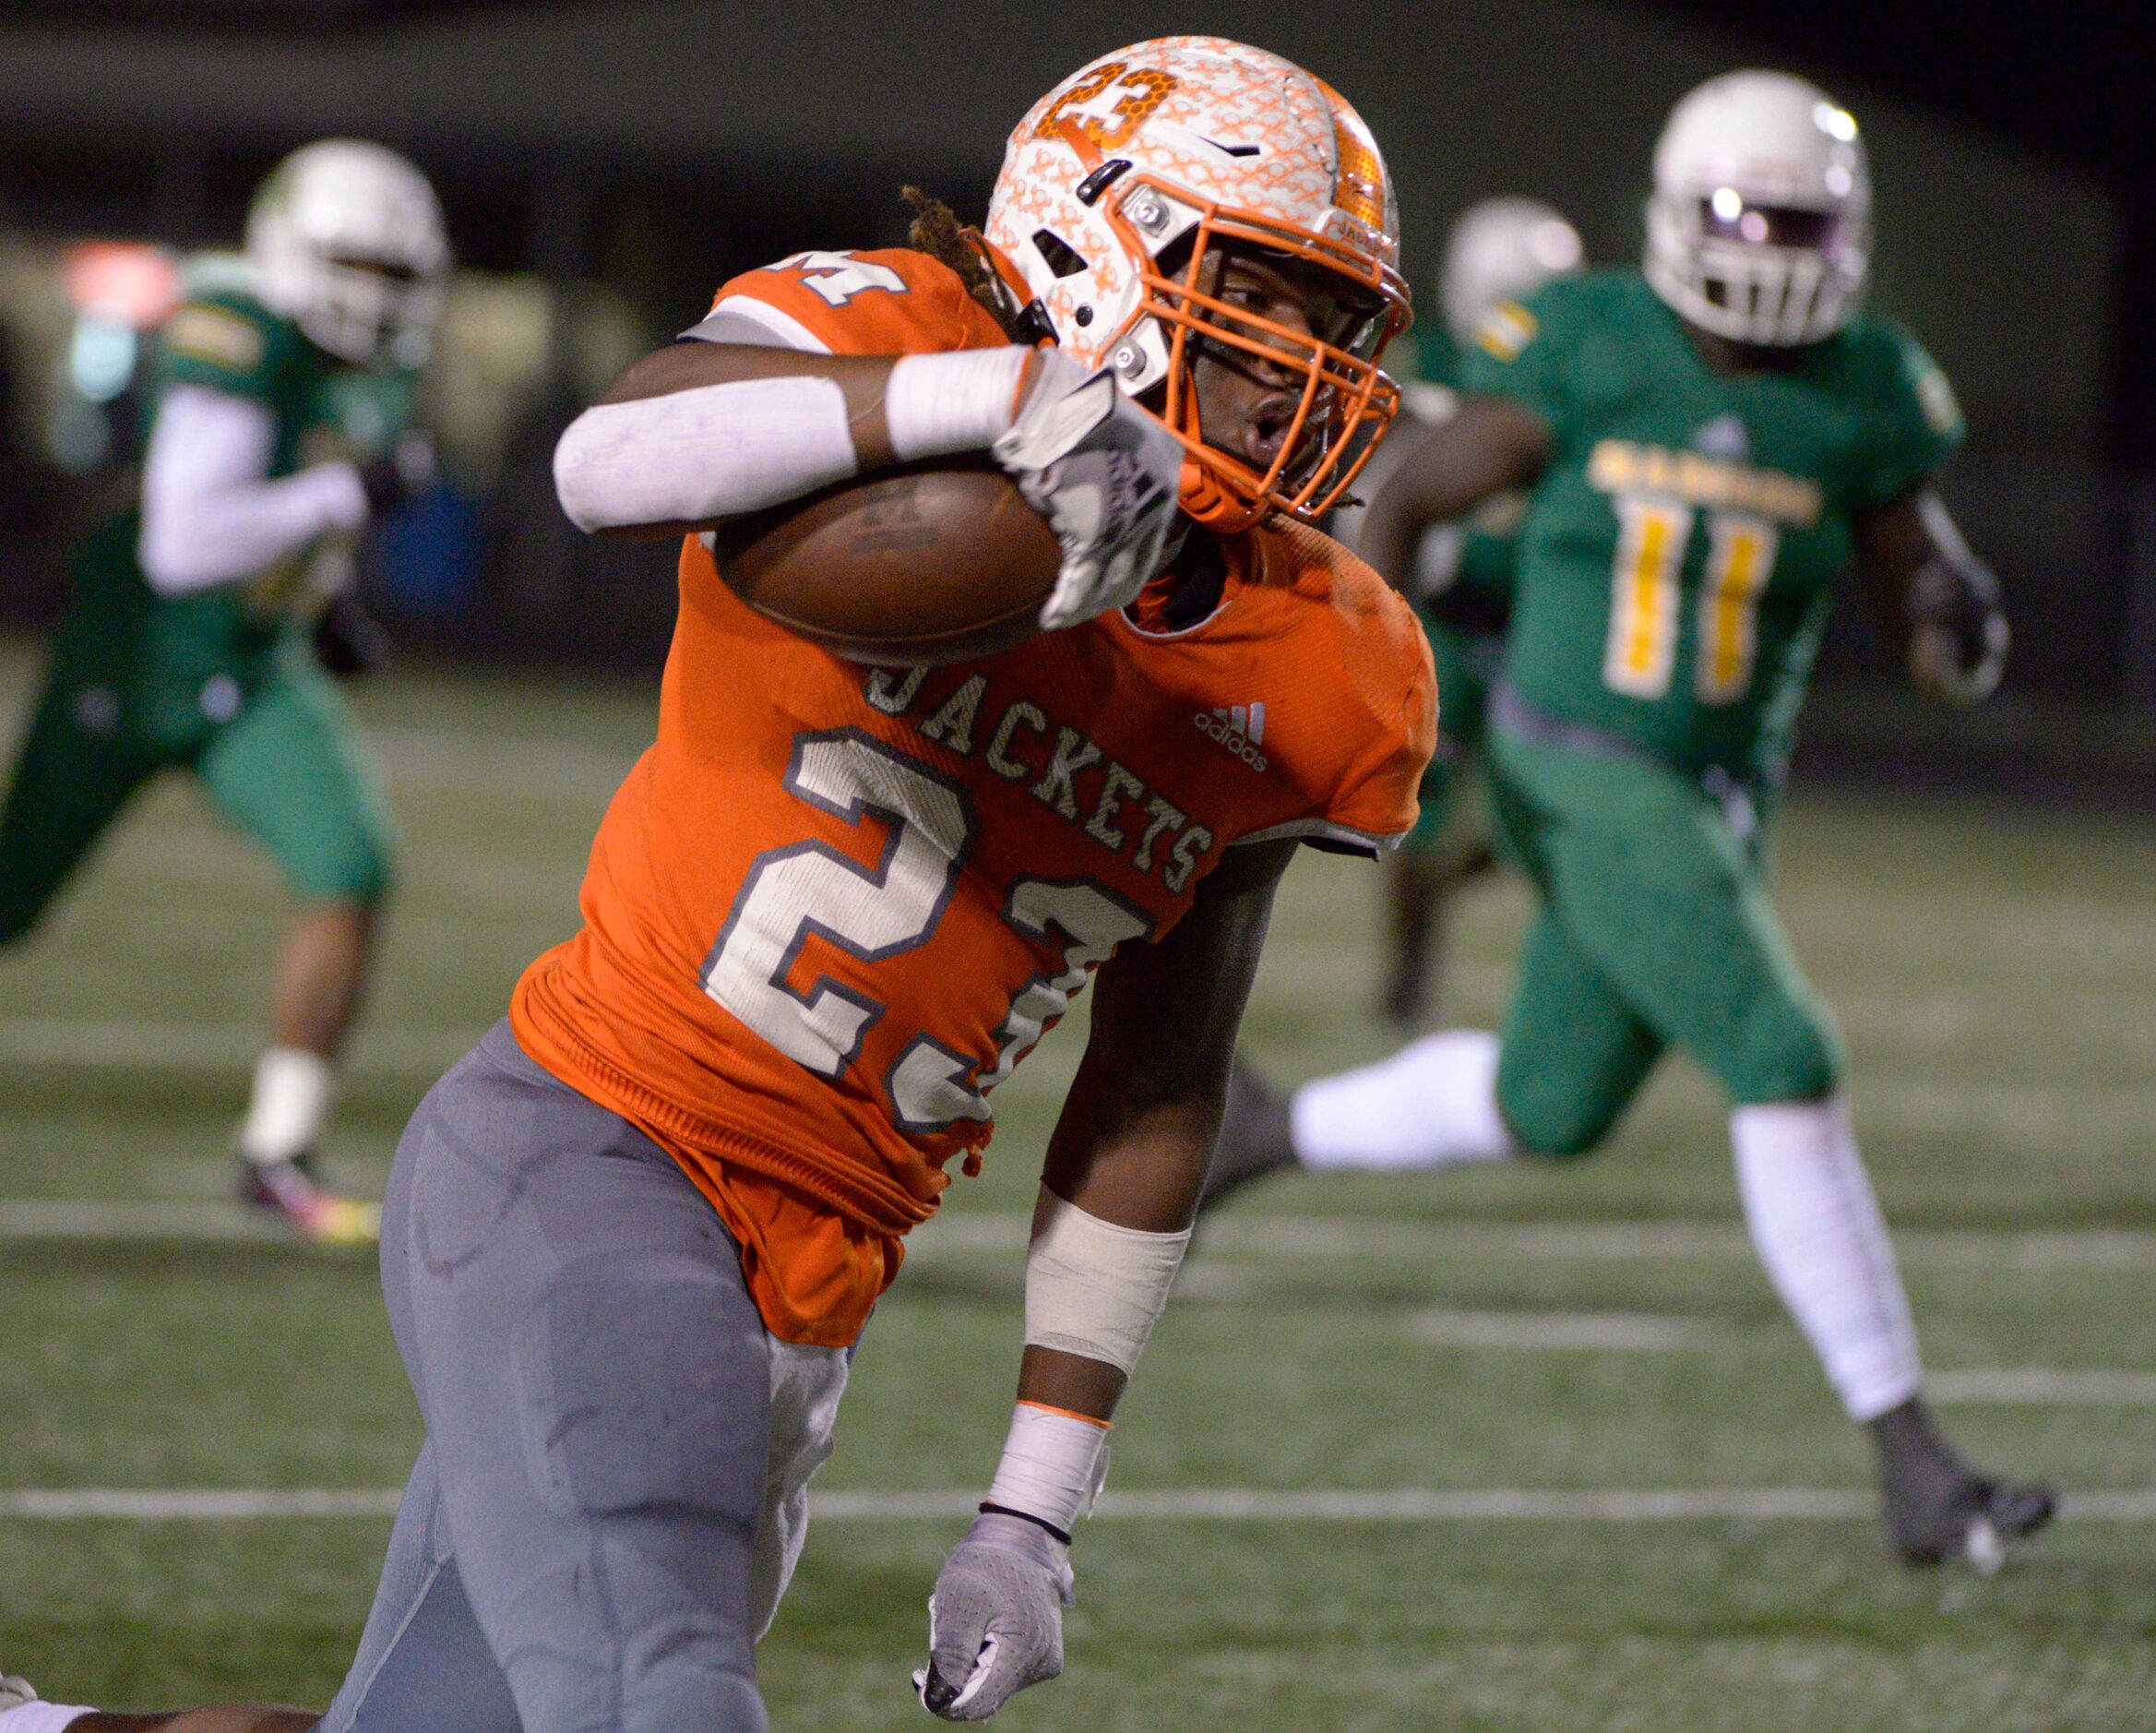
(1653, 534)
(812, 890)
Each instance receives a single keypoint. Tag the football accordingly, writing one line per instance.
(918, 566)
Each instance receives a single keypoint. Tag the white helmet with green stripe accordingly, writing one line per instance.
(1759, 229)
(346, 241)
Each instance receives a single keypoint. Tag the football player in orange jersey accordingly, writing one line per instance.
(629, 1241)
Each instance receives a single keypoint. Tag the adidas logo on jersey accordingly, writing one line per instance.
(1238, 727)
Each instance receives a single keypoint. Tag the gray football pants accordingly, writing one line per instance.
(614, 1486)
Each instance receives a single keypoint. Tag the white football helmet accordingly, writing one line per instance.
(1504, 250)
(1759, 228)
(345, 239)
(1118, 181)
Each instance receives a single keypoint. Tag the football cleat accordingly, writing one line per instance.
(1938, 1510)
(288, 1190)
(1253, 1140)
(1976, 1521)
(14, 1692)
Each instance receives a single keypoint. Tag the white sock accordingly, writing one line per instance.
(1819, 1233)
(41, 1717)
(1433, 1104)
(292, 1092)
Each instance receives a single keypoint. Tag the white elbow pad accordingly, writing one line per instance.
(715, 451)
(1095, 1289)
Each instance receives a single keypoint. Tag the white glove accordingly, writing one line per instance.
(995, 1619)
(1105, 473)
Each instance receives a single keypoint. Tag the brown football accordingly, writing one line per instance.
(923, 565)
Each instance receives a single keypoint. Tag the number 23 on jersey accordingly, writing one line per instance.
(875, 913)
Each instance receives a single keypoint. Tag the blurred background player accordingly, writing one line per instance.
(631, 1240)
(1502, 249)
(1710, 444)
(280, 411)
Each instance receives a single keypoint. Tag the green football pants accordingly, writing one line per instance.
(1655, 931)
(287, 769)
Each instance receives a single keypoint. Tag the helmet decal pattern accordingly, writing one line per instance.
(1223, 144)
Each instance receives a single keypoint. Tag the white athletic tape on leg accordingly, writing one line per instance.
(936, 405)
(1053, 1465)
(293, 1089)
(1095, 1289)
(715, 451)
(1809, 1205)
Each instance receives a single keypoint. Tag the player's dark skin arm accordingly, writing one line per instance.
(1895, 546)
(1137, 1127)
(1490, 446)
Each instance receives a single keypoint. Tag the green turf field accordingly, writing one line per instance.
(1383, 1466)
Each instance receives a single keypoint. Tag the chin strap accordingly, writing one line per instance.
(1207, 501)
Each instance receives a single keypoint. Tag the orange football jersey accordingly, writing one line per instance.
(833, 906)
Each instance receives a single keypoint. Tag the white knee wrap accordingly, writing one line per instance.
(1095, 1289)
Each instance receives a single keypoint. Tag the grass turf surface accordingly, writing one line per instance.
(1996, 972)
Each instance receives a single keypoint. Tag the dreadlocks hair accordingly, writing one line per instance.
(937, 231)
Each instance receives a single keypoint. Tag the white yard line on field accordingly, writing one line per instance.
(1633, 1332)
(1002, 1233)
(2043, 1387)
(1328, 1238)
(1896, 1096)
(191, 1504)
(35, 1219)
(170, 1047)
(1218, 1504)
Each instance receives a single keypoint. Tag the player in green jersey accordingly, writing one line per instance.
(1460, 582)
(280, 403)
(1711, 446)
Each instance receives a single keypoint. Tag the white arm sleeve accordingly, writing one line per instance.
(208, 515)
(718, 450)
(711, 451)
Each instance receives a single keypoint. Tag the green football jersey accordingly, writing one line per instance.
(171, 648)
(1681, 552)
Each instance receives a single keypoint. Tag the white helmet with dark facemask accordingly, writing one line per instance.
(1759, 229)
(346, 241)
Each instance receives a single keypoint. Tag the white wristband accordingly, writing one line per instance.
(962, 400)
(1095, 1289)
(714, 451)
(1052, 1465)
